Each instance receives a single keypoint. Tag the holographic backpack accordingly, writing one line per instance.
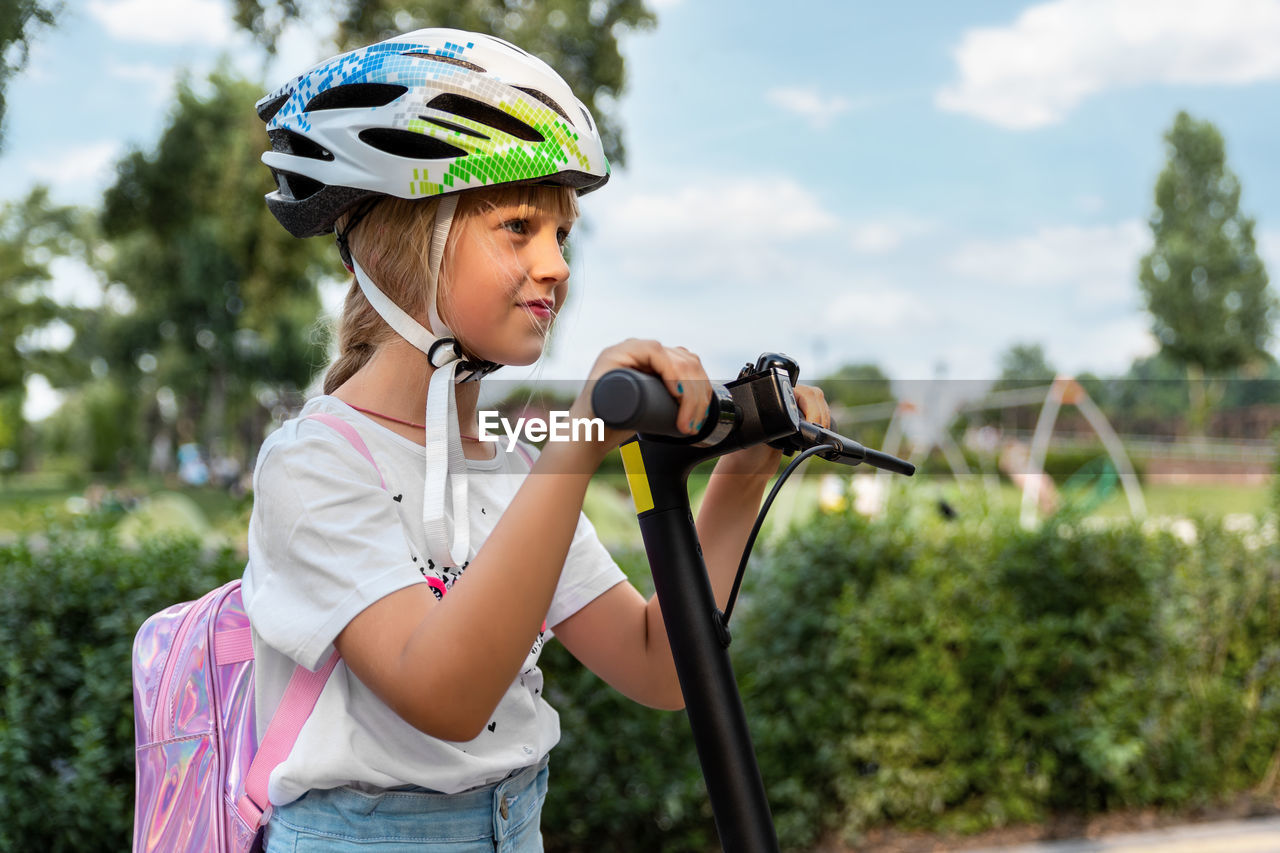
(201, 772)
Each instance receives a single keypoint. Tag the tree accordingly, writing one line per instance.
(856, 385)
(19, 20)
(1022, 364)
(222, 299)
(1202, 281)
(578, 38)
(1148, 399)
(33, 232)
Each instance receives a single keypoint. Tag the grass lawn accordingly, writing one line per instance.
(35, 502)
(1182, 499)
(1163, 500)
(32, 503)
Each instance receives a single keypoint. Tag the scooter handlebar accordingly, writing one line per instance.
(628, 399)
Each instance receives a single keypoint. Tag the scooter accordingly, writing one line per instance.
(756, 408)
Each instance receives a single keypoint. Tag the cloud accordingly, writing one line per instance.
(1099, 262)
(882, 237)
(1033, 72)
(714, 228)
(72, 171)
(1108, 347)
(818, 109)
(164, 21)
(157, 80)
(880, 304)
(301, 44)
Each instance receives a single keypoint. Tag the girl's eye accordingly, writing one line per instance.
(562, 237)
(516, 226)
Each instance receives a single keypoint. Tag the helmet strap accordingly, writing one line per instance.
(445, 482)
(448, 206)
(444, 486)
(342, 238)
(441, 351)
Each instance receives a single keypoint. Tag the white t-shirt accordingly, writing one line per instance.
(325, 542)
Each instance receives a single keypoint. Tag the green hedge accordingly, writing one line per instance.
(70, 604)
(956, 677)
(985, 675)
(913, 672)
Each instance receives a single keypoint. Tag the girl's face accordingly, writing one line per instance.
(507, 280)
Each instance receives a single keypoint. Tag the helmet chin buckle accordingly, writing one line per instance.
(443, 351)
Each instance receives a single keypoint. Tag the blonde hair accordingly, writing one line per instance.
(393, 243)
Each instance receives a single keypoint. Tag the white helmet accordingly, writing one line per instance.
(423, 114)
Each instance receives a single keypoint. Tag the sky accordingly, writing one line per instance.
(916, 185)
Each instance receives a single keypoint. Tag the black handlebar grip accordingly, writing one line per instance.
(628, 399)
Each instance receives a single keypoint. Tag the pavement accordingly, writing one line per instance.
(1252, 835)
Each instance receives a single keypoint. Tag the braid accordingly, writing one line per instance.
(381, 244)
(358, 337)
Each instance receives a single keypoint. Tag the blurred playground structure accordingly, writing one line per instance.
(961, 423)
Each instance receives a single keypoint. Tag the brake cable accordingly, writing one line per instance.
(755, 530)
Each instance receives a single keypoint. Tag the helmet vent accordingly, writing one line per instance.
(288, 142)
(406, 143)
(546, 99)
(586, 115)
(296, 187)
(484, 114)
(451, 60)
(267, 109)
(448, 125)
(354, 96)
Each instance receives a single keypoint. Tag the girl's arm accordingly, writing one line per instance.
(444, 666)
(621, 637)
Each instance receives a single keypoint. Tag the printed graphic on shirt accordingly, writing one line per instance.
(532, 661)
(442, 579)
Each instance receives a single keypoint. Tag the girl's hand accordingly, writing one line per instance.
(679, 369)
(763, 459)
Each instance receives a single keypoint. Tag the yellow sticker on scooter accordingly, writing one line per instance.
(637, 479)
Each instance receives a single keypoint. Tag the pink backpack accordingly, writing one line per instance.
(201, 774)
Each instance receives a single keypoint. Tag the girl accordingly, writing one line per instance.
(447, 164)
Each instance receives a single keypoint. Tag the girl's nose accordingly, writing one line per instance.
(548, 264)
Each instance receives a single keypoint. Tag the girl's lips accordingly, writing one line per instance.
(543, 309)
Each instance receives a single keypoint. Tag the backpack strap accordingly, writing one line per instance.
(302, 693)
(299, 701)
(348, 432)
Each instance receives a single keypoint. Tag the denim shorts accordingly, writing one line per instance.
(504, 817)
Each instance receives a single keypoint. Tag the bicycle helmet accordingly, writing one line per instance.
(428, 113)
